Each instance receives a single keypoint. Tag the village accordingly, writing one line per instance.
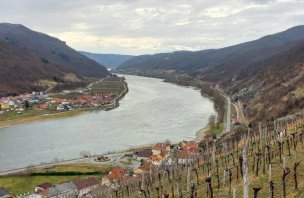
(99, 95)
(42, 101)
(150, 159)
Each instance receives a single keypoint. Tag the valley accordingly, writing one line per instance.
(152, 99)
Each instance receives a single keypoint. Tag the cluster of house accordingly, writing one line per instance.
(84, 101)
(151, 159)
(43, 101)
(18, 103)
(160, 153)
(73, 189)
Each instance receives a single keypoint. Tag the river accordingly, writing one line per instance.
(152, 111)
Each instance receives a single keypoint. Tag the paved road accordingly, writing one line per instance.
(227, 124)
(114, 160)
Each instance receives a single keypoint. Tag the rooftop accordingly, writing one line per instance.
(85, 183)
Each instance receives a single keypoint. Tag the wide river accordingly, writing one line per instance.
(152, 111)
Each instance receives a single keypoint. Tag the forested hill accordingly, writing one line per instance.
(197, 62)
(249, 71)
(28, 57)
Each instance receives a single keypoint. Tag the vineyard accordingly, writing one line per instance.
(267, 161)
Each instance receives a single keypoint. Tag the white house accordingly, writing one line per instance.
(159, 148)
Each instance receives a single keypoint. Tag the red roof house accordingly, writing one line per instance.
(42, 187)
(113, 176)
(84, 186)
(44, 106)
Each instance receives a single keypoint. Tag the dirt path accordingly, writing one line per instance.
(240, 113)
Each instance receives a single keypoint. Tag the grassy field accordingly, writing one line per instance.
(32, 111)
(218, 130)
(22, 184)
(35, 117)
(82, 167)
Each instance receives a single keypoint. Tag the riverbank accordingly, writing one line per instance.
(200, 134)
(65, 114)
(8, 123)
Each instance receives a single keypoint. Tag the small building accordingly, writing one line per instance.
(156, 160)
(60, 108)
(158, 148)
(42, 187)
(20, 109)
(85, 186)
(113, 176)
(184, 157)
(44, 106)
(144, 168)
(142, 154)
(66, 189)
(33, 195)
(57, 100)
(101, 191)
(11, 103)
(190, 147)
(5, 106)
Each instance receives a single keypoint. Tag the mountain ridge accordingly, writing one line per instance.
(240, 69)
(111, 61)
(214, 57)
(48, 58)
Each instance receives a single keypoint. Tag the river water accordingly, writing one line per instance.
(151, 112)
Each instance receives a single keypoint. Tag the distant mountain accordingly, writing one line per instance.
(248, 71)
(27, 58)
(197, 63)
(111, 61)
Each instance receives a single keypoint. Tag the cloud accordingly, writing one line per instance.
(152, 26)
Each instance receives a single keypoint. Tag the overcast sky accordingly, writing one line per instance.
(153, 26)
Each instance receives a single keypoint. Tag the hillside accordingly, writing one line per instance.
(20, 70)
(199, 61)
(45, 57)
(111, 61)
(249, 71)
(275, 88)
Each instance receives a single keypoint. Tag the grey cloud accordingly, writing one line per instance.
(151, 26)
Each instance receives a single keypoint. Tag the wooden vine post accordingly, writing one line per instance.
(286, 172)
(208, 181)
(295, 170)
(256, 191)
(271, 184)
(245, 172)
(295, 174)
